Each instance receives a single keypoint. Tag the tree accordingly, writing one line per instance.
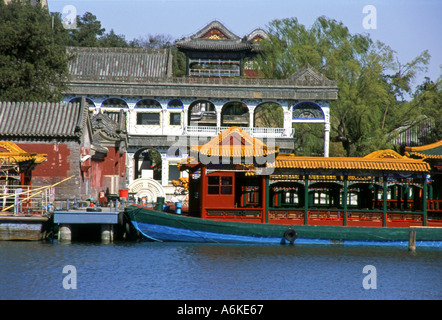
(87, 33)
(370, 101)
(111, 39)
(158, 41)
(33, 59)
(428, 98)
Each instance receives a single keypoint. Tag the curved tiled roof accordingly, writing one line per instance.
(234, 142)
(216, 45)
(350, 163)
(42, 119)
(429, 151)
(229, 42)
(14, 154)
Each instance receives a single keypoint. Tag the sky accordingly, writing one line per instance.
(408, 26)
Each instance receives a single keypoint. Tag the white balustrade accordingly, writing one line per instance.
(254, 131)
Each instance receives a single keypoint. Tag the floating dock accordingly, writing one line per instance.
(74, 223)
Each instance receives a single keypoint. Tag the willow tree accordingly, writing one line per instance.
(370, 80)
(33, 60)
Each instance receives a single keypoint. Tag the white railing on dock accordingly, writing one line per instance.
(253, 131)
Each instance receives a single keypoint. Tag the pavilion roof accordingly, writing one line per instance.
(429, 151)
(216, 37)
(234, 142)
(350, 164)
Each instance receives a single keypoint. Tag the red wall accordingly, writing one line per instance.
(57, 163)
(113, 164)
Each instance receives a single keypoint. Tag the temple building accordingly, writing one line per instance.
(215, 51)
(163, 115)
(88, 153)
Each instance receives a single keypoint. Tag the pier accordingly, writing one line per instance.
(87, 220)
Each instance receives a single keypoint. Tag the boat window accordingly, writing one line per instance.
(226, 181)
(220, 185)
(213, 180)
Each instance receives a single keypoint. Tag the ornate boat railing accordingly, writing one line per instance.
(332, 217)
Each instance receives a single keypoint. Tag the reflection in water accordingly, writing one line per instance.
(146, 270)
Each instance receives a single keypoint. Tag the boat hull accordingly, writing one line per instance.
(161, 226)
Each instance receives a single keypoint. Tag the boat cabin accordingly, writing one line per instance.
(235, 177)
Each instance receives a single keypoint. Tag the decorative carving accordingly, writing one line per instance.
(146, 187)
(307, 110)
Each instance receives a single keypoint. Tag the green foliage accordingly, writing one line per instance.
(428, 99)
(87, 32)
(269, 115)
(370, 104)
(33, 60)
(111, 40)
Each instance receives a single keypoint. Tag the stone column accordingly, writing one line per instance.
(164, 123)
(107, 233)
(65, 233)
(218, 118)
(185, 120)
(287, 120)
(326, 138)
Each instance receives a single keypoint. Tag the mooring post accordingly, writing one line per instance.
(107, 233)
(65, 233)
(412, 240)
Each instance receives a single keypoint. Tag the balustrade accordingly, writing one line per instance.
(255, 132)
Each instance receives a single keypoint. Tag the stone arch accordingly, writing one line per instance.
(269, 115)
(307, 111)
(175, 104)
(148, 159)
(235, 113)
(202, 112)
(148, 104)
(146, 188)
(114, 103)
(89, 102)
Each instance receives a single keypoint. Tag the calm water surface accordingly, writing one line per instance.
(175, 271)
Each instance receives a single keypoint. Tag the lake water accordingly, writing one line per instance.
(184, 271)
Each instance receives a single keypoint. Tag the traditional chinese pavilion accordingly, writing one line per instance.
(215, 51)
(235, 177)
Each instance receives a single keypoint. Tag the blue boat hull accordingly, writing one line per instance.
(159, 226)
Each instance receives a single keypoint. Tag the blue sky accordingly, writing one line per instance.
(408, 27)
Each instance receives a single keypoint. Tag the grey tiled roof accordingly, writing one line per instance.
(231, 43)
(120, 62)
(42, 119)
(216, 45)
